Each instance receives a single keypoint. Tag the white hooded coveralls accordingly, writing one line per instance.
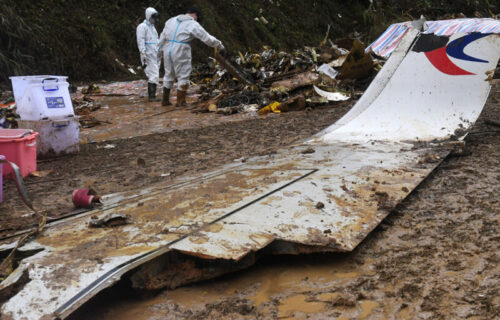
(147, 42)
(174, 41)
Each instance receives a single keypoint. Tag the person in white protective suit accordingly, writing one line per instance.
(174, 41)
(147, 42)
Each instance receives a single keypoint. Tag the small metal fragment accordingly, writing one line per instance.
(110, 220)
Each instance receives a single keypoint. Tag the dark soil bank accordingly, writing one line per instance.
(83, 39)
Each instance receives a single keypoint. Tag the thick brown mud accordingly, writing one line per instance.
(435, 257)
(141, 149)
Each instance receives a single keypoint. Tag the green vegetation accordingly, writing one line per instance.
(83, 39)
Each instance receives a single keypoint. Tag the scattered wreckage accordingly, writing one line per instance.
(276, 81)
(322, 195)
(245, 83)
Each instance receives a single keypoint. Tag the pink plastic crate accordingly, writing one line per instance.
(18, 146)
(1, 182)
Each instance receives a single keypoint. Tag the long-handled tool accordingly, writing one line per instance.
(240, 75)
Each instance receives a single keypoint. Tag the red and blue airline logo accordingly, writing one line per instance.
(438, 50)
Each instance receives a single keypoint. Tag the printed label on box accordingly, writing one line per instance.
(55, 102)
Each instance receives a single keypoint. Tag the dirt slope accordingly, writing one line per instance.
(83, 39)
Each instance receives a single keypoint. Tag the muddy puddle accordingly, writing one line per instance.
(284, 287)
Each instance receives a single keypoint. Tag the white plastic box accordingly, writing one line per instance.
(20, 83)
(42, 97)
(56, 136)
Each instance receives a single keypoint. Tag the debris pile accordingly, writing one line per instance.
(83, 107)
(278, 81)
(8, 113)
(271, 81)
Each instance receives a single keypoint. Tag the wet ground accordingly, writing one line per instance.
(185, 143)
(435, 257)
(127, 116)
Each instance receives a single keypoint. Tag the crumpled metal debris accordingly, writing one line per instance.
(110, 220)
(8, 113)
(84, 106)
(332, 96)
(280, 76)
(329, 71)
(8, 116)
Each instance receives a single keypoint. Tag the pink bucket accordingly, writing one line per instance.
(1, 182)
(18, 146)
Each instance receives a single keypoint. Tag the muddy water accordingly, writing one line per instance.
(286, 288)
(279, 286)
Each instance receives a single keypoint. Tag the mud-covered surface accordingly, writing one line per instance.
(188, 144)
(124, 117)
(435, 257)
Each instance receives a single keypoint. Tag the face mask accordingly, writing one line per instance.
(153, 19)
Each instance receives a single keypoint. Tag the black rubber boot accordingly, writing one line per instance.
(166, 97)
(152, 92)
